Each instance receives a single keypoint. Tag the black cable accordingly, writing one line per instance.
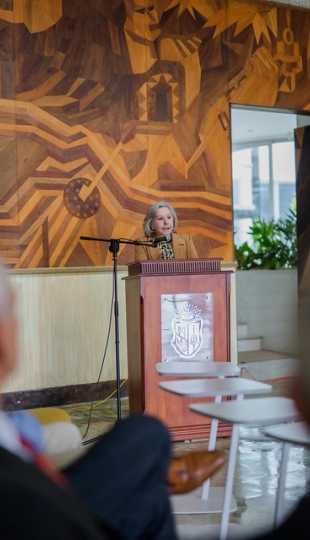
(101, 368)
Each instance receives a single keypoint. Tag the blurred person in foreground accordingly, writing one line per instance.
(118, 490)
(161, 222)
(297, 524)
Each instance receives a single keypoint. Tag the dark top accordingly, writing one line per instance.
(34, 507)
(296, 525)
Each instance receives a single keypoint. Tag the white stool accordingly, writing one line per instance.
(292, 433)
(211, 499)
(251, 411)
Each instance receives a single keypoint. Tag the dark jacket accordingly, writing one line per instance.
(33, 507)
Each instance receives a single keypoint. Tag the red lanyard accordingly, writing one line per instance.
(44, 464)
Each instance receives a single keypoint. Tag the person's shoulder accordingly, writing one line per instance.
(181, 236)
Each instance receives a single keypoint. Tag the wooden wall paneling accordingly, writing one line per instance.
(109, 122)
(99, 119)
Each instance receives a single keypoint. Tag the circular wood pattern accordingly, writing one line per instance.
(75, 204)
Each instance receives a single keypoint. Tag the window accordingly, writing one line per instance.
(263, 170)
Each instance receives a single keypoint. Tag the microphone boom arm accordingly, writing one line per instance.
(119, 241)
(114, 248)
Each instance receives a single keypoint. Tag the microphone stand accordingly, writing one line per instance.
(114, 248)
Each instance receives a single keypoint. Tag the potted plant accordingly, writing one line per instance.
(273, 245)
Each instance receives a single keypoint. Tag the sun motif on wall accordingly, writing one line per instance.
(37, 15)
(262, 20)
(206, 9)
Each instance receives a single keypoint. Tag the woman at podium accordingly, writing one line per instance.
(161, 237)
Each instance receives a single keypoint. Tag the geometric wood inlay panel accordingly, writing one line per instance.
(108, 107)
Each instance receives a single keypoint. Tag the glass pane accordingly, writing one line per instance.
(283, 162)
(262, 182)
(263, 163)
(250, 188)
(242, 179)
(284, 169)
(255, 194)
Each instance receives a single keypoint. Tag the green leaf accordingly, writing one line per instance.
(273, 245)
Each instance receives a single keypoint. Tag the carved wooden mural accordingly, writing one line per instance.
(108, 106)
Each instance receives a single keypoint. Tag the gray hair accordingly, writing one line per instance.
(151, 214)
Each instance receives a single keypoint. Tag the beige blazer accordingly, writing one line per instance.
(182, 245)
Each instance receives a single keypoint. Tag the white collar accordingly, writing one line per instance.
(9, 436)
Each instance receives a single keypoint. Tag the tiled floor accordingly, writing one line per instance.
(256, 478)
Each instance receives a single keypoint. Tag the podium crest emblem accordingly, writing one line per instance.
(187, 331)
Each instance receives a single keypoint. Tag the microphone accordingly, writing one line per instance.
(166, 238)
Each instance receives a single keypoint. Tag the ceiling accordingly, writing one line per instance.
(256, 125)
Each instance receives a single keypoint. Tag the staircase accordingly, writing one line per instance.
(259, 363)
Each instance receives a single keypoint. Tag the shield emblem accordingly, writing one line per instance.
(187, 333)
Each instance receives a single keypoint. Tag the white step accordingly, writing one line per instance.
(270, 369)
(249, 343)
(259, 356)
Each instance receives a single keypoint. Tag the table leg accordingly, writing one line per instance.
(211, 446)
(212, 443)
(211, 499)
(233, 450)
(281, 486)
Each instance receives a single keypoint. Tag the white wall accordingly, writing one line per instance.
(64, 318)
(267, 301)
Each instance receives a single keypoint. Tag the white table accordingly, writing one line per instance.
(197, 369)
(228, 386)
(292, 433)
(251, 411)
(210, 499)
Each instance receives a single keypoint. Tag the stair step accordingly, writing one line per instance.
(270, 369)
(260, 356)
(249, 343)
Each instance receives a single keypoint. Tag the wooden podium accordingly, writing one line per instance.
(175, 310)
